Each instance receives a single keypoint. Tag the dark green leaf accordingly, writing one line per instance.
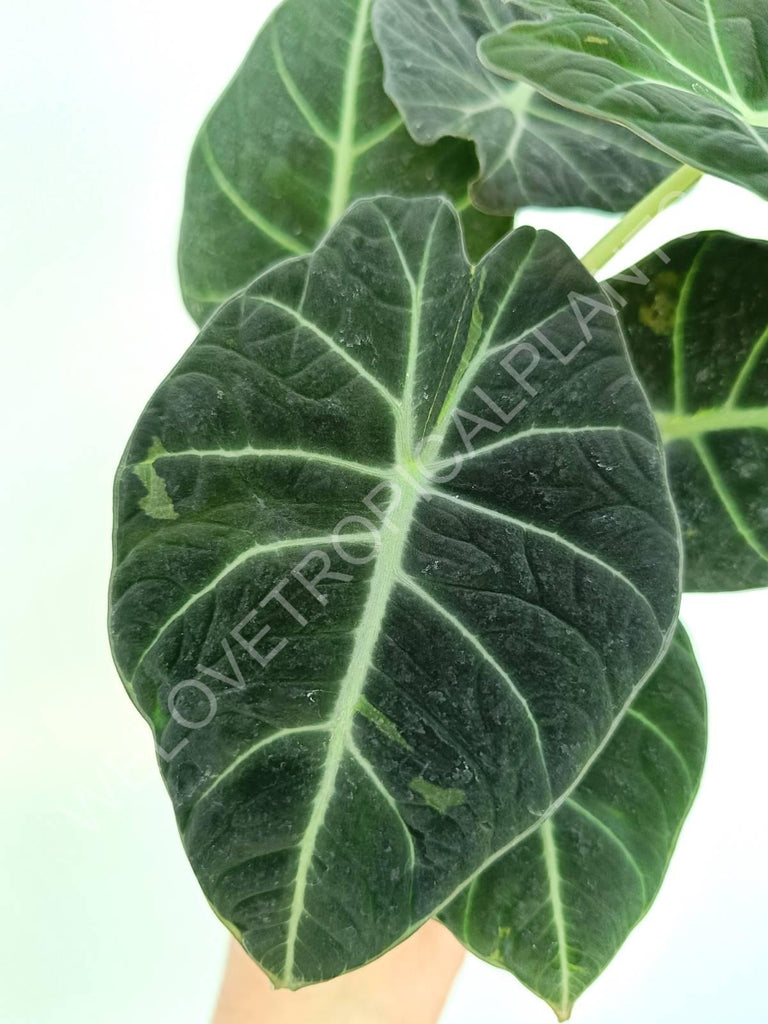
(531, 151)
(304, 128)
(690, 76)
(424, 708)
(697, 322)
(557, 908)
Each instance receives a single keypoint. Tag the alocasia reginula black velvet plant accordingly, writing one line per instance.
(399, 543)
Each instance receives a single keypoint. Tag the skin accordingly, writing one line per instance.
(409, 985)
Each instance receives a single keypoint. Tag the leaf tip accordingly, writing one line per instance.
(563, 1013)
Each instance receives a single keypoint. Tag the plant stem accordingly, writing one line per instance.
(651, 206)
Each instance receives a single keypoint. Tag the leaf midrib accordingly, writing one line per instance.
(382, 584)
(346, 149)
(549, 847)
(751, 117)
(344, 159)
(720, 419)
(406, 495)
(731, 96)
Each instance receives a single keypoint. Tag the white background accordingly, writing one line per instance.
(101, 918)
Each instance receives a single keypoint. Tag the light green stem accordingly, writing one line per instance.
(651, 206)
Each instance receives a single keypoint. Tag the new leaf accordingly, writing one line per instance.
(531, 151)
(691, 77)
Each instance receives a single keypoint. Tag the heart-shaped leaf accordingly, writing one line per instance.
(697, 320)
(692, 78)
(531, 151)
(303, 128)
(556, 909)
(368, 680)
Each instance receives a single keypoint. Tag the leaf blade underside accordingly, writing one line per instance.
(690, 78)
(531, 151)
(487, 639)
(558, 907)
(698, 334)
(302, 130)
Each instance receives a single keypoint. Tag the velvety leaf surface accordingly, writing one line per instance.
(531, 151)
(557, 908)
(697, 322)
(304, 128)
(689, 76)
(383, 705)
